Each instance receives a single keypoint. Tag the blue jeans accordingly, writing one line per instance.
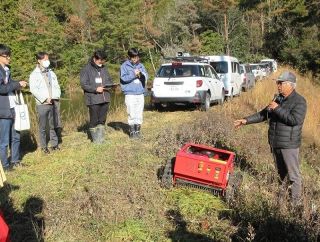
(7, 134)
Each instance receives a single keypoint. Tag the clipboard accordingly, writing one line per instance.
(110, 86)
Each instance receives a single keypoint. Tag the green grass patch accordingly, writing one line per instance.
(193, 203)
(130, 230)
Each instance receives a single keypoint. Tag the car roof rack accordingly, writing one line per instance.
(186, 59)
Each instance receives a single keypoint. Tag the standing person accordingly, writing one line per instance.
(94, 77)
(57, 119)
(45, 88)
(7, 113)
(133, 78)
(286, 114)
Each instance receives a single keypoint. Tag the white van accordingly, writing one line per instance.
(228, 69)
(273, 62)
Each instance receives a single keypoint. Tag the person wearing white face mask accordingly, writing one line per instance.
(45, 88)
(95, 80)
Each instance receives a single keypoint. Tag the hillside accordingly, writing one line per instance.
(111, 192)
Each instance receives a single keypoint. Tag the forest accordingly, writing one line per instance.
(70, 30)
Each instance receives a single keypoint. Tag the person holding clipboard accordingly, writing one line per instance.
(96, 83)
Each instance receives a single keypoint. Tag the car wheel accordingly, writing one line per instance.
(231, 95)
(206, 104)
(223, 96)
(158, 106)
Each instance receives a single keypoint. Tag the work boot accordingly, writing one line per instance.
(45, 150)
(59, 134)
(137, 128)
(94, 135)
(101, 133)
(132, 133)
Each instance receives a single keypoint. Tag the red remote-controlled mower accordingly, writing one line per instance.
(203, 167)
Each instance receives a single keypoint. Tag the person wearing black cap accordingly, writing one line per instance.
(286, 114)
(133, 78)
(94, 78)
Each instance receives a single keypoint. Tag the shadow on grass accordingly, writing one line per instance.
(83, 128)
(171, 107)
(119, 126)
(181, 233)
(26, 225)
(267, 224)
(28, 143)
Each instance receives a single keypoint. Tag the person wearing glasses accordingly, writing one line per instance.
(7, 113)
(45, 88)
(286, 114)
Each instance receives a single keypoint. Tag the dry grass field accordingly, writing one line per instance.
(111, 192)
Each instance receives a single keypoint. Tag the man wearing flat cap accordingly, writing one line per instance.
(286, 113)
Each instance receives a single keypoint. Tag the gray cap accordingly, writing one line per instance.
(287, 76)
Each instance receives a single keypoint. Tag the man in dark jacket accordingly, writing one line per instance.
(7, 113)
(96, 81)
(286, 115)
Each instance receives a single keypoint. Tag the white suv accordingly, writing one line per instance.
(187, 80)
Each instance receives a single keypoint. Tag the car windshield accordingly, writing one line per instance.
(263, 65)
(221, 67)
(242, 69)
(178, 71)
(254, 67)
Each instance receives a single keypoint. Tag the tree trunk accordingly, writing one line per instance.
(262, 27)
(226, 33)
(151, 59)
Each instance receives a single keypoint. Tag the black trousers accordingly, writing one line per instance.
(98, 114)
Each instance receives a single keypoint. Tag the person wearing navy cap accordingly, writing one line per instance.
(286, 114)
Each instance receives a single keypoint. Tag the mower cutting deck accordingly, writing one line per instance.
(203, 167)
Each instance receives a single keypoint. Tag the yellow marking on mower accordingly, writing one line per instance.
(218, 161)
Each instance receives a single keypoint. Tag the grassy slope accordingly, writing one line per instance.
(111, 192)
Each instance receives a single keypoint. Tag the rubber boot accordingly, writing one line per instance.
(132, 133)
(59, 134)
(94, 135)
(101, 133)
(137, 128)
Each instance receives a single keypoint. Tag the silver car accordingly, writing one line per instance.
(257, 72)
(247, 77)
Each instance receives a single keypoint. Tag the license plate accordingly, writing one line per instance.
(174, 88)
